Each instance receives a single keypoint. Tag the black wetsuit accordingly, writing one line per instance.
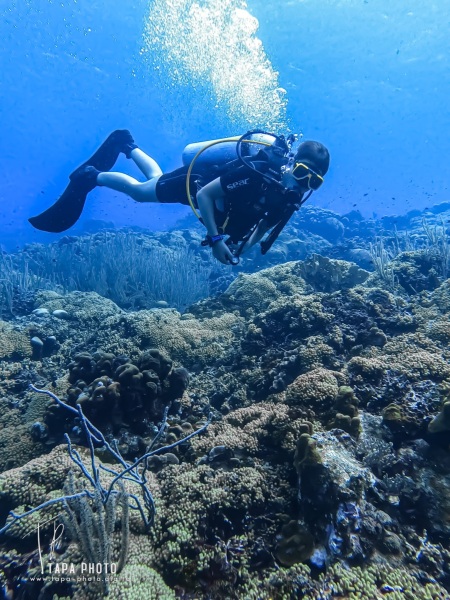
(247, 200)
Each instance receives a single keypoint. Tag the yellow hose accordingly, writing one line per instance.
(188, 174)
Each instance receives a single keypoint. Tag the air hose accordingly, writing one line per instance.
(239, 141)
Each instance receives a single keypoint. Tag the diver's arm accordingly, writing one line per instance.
(206, 199)
(261, 229)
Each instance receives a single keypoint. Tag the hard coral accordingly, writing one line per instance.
(328, 275)
(318, 389)
(14, 342)
(121, 393)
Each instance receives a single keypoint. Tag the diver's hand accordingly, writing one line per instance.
(222, 253)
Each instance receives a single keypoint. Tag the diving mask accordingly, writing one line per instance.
(301, 171)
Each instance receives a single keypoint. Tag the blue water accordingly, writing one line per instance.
(369, 78)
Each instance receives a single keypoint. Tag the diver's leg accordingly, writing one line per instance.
(145, 163)
(141, 192)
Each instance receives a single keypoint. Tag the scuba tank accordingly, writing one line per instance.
(218, 152)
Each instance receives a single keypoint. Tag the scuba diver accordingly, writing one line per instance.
(244, 187)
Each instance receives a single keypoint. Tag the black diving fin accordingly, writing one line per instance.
(67, 209)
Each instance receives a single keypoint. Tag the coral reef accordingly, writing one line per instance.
(325, 472)
(328, 275)
(125, 399)
(15, 344)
